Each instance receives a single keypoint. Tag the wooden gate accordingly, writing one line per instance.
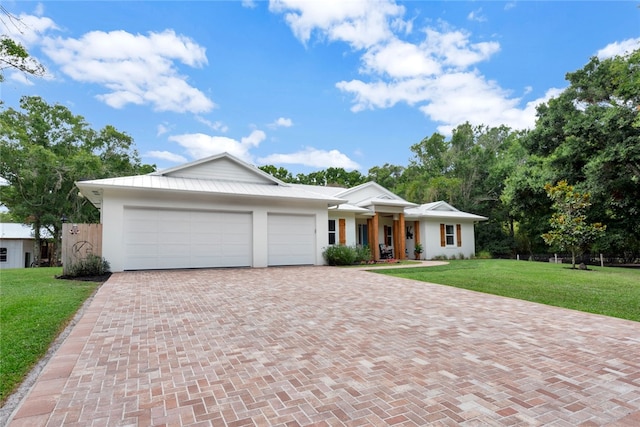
(78, 242)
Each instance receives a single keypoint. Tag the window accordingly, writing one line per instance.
(332, 231)
(363, 234)
(3, 254)
(388, 235)
(450, 234)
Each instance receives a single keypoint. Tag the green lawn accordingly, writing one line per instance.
(611, 291)
(34, 308)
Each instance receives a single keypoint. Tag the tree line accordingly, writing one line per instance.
(587, 137)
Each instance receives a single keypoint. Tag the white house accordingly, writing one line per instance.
(222, 212)
(17, 245)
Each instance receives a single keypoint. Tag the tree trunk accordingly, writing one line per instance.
(573, 259)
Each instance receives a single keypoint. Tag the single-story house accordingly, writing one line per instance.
(222, 212)
(17, 245)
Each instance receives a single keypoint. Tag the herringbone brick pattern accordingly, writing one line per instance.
(331, 347)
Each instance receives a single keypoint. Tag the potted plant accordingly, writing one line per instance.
(417, 250)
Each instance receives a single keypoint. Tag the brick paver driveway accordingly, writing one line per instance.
(329, 346)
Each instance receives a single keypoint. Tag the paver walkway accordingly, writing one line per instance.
(330, 346)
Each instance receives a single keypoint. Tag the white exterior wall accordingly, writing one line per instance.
(16, 250)
(430, 238)
(351, 229)
(114, 203)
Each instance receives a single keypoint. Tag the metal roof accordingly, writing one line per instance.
(441, 209)
(93, 189)
(15, 231)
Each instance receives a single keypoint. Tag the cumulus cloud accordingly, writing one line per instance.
(166, 155)
(361, 23)
(199, 145)
(619, 48)
(135, 68)
(312, 157)
(281, 122)
(436, 73)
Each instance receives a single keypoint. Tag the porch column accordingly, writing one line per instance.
(416, 233)
(403, 236)
(373, 233)
(399, 237)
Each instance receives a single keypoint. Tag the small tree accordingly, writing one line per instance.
(569, 228)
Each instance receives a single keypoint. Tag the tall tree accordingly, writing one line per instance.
(590, 135)
(44, 149)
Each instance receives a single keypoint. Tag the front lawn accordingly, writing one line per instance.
(34, 308)
(610, 291)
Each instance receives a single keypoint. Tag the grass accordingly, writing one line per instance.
(610, 291)
(34, 308)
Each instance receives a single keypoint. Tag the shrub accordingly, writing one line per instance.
(347, 255)
(363, 254)
(483, 255)
(461, 256)
(92, 265)
(339, 255)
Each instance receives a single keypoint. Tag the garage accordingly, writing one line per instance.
(172, 238)
(291, 239)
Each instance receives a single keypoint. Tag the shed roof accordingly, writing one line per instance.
(15, 231)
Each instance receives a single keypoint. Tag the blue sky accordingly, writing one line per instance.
(307, 85)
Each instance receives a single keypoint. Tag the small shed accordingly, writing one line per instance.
(17, 245)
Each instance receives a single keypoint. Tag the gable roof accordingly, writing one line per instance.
(222, 175)
(373, 194)
(442, 210)
(221, 166)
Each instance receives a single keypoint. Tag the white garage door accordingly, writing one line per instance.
(157, 239)
(292, 239)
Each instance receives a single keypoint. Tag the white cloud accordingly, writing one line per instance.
(166, 155)
(218, 126)
(28, 30)
(436, 74)
(453, 48)
(136, 69)
(162, 129)
(399, 59)
(477, 16)
(21, 78)
(312, 157)
(619, 48)
(199, 145)
(281, 122)
(361, 23)
(249, 4)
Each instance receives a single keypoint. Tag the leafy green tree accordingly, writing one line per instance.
(44, 149)
(590, 135)
(281, 173)
(389, 176)
(469, 171)
(569, 228)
